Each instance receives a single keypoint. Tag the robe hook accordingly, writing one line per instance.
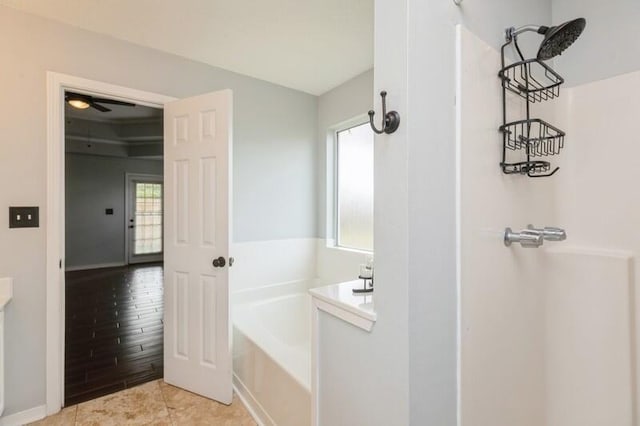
(391, 118)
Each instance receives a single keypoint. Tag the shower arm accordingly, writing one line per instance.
(512, 32)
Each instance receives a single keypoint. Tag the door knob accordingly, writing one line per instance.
(219, 262)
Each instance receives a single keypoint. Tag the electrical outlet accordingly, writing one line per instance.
(24, 217)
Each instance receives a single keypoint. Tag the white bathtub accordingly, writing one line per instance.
(271, 355)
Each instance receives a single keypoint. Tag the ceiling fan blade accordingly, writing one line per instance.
(72, 95)
(113, 102)
(100, 107)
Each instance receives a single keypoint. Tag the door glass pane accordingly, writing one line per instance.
(355, 188)
(148, 218)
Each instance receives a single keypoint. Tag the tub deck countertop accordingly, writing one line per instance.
(340, 301)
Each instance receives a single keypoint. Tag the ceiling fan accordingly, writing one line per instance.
(80, 101)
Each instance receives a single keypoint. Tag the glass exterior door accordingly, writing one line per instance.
(145, 220)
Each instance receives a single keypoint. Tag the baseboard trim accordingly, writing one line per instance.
(253, 406)
(96, 266)
(24, 417)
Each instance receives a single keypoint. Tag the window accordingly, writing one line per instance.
(148, 218)
(354, 215)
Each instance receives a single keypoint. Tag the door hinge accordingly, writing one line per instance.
(60, 264)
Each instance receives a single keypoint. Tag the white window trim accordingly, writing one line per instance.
(331, 233)
(129, 179)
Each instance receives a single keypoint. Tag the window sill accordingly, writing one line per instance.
(332, 246)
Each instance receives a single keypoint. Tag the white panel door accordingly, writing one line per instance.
(197, 151)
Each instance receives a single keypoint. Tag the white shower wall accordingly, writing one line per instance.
(598, 198)
(588, 338)
(501, 297)
(548, 336)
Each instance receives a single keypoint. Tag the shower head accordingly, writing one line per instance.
(556, 39)
(559, 38)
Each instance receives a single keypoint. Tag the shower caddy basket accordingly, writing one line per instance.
(533, 138)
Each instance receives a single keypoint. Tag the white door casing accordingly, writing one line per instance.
(197, 176)
(55, 227)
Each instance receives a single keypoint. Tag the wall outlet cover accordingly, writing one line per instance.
(24, 217)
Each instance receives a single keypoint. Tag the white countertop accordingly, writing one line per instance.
(340, 301)
(6, 291)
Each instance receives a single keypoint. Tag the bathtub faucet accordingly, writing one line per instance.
(533, 237)
(550, 233)
(527, 238)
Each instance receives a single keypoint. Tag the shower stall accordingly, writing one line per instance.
(548, 333)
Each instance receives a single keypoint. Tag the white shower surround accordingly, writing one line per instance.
(548, 336)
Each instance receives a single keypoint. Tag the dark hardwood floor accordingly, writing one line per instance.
(113, 330)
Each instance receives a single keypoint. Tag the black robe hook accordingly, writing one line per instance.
(391, 118)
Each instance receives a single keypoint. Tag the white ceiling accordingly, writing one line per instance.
(308, 45)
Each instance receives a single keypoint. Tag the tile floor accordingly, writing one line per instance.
(153, 403)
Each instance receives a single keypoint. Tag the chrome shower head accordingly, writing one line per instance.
(557, 39)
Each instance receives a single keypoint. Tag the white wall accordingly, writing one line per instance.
(264, 263)
(600, 163)
(549, 336)
(502, 289)
(589, 337)
(274, 129)
(598, 201)
(94, 183)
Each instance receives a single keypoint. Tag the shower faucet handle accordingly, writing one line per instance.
(527, 238)
(550, 233)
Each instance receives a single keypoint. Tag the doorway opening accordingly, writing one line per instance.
(196, 151)
(113, 246)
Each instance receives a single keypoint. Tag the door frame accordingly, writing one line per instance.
(55, 213)
(129, 179)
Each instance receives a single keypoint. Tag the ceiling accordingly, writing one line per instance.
(308, 45)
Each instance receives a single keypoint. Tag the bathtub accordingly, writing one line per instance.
(271, 353)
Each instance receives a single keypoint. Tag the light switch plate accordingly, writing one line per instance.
(24, 217)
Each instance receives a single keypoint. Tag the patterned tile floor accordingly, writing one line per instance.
(153, 403)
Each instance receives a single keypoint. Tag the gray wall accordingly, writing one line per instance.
(94, 183)
(349, 100)
(373, 388)
(274, 129)
(609, 45)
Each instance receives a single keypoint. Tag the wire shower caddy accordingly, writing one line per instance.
(535, 82)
